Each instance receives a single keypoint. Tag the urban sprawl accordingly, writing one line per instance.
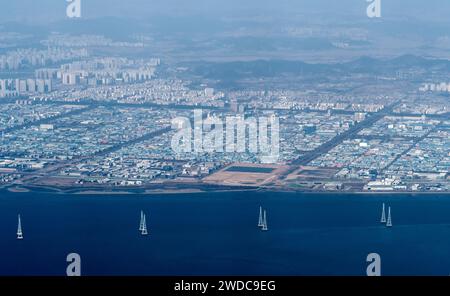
(85, 122)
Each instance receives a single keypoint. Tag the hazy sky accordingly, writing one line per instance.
(43, 10)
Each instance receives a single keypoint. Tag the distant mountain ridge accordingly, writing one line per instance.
(270, 68)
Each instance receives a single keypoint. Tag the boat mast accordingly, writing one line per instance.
(144, 226)
(389, 220)
(383, 215)
(141, 224)
(260, 221)
(264, 227)
(19, 228)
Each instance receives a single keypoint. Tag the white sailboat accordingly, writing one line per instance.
(141, 224)
(389, 220)
(260, 221)
(19, 228)
(383, 215)
(264, 226)
(144, 226)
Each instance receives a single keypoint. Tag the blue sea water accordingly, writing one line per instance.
(217, 234)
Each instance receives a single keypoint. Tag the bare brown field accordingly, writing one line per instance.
(312, 173)
(235, 178)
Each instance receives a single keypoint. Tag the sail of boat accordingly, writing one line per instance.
(383, 215)
(260, 221)
(389, 220)
(144, 226)
(141, 222)
(264, 227)
(19, 228)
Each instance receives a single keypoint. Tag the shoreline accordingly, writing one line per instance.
(174, 191)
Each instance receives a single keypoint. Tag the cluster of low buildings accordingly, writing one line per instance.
(304, 100)
(154, 91)
(77, 136)
(150, 161)
(25, 111)
(427, 160)
(395, 154)
(362, 159)
(407, 126)
(437, 107)
(305, 131)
